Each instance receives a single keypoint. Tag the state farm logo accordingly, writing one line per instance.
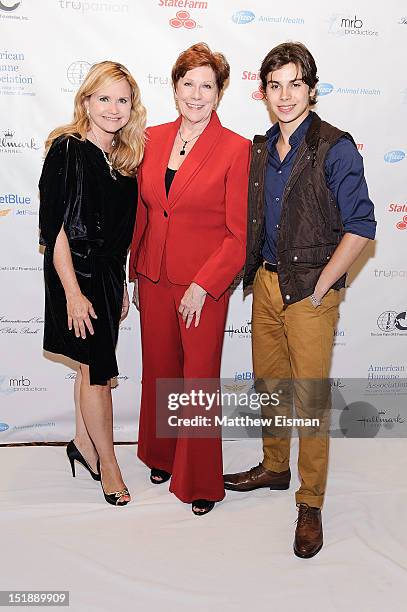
(183, 20)
(401, 224)
(258, 94)
(248, 75)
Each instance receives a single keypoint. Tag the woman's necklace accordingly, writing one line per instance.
(107, 160)
(182, 152)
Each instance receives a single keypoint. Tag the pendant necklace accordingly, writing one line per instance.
(182, 152)
(107, 160)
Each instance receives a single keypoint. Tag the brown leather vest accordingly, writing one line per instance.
(310, 226)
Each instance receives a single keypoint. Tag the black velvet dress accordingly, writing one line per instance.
(98, 215)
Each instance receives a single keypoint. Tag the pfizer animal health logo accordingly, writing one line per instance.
(324, 89)
(4, 427)
(183, 20)
(77, 71)
(392, 157)
(243, 17)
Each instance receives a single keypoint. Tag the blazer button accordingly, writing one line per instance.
(254, 220)
(258, 150)
(165, 213)
(256, 184)
(295, 258)
(288, 297)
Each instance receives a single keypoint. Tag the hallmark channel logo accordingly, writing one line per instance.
(107, 6)
(391, 323)
(345, 25)
(11, 144)
(242, 331)
(245, 17)
(393, 157)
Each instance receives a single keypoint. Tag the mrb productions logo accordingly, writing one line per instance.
(349, 25)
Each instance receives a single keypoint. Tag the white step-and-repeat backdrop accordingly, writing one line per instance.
(46, 47)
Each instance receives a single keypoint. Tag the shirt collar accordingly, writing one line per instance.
(295, 138)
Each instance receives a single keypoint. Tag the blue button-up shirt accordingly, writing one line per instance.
(344, 177)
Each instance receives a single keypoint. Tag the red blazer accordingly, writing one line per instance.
(202, 223)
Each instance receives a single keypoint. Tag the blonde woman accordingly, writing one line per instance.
(88, 195)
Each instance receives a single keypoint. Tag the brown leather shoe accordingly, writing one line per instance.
(308, 534)
(257, 478)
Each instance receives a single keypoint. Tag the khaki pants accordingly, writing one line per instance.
(294, 343)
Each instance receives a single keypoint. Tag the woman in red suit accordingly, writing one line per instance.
(188, 245)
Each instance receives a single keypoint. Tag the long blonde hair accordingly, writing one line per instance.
(129, 141)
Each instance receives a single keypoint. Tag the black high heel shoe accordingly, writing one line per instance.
(74, 455)
(204, 505)
(113, 498)
(161, 474)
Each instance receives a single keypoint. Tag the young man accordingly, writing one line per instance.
(310, 217)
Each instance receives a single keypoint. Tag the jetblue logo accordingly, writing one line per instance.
(324, 89)
(243, 17)
(4, 427)
(393, 157)
(15, 198)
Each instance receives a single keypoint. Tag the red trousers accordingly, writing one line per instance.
(172, 351)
